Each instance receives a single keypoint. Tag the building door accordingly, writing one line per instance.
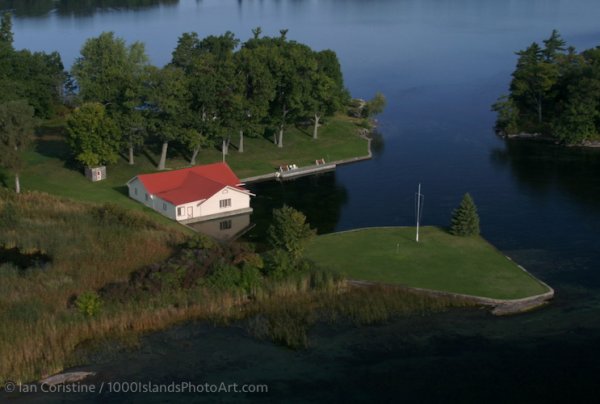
(190, 211)
(98, 174)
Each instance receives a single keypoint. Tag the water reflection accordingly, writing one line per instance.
(543, 168)
(67, 8)
(320, 197)
(224, 229)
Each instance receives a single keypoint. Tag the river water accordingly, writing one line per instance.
(441, 64)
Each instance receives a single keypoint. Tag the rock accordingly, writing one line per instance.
(69, 377)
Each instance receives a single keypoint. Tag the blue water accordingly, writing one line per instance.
(441, 64)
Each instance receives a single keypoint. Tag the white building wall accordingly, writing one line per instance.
(193, 207)
(211, 206)
(138, 192)
(239, 200)
(164, 207)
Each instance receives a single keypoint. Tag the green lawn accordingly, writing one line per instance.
(440, 261)
(46, 168)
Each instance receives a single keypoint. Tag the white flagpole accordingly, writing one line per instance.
(418, 210)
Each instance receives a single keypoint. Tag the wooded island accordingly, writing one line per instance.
(554, 93)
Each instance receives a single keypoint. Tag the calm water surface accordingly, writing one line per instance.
(441, 63)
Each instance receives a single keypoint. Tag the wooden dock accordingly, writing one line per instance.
(302, 171)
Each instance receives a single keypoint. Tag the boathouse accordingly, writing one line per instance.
(192, 194)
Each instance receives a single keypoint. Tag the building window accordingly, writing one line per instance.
(146, 197)
(225, 225)
(179, 211)
(135, 191)
(225, 203)
(164, 206)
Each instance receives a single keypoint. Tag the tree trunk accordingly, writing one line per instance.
(163, 156)
(540, 112)
(131, 161)
(280, 143)
(316, 128)
(241, 148)
(225, 147)
(194, 155)
(17, 184)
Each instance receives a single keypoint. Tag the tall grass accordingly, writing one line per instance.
(93, 246)
(287, 317)
(39, 327)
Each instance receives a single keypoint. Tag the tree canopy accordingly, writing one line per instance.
(213, 87)
(93, 136)
(37, 77)
(290, 232)
(554, 91)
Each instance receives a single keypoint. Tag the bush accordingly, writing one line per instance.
(88, 304)
(229, 277)
(290, 231)
(200, 242)
(278, 264)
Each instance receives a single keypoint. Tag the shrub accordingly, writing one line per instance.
(200, 241)
(88, 304)
(289, 231)
(278, 264)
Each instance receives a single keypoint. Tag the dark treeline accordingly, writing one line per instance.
(36, 77)
(555, 91)
(39, 8)
(213, 89)
(31, 86)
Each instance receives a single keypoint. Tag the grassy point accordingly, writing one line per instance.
(440, 261)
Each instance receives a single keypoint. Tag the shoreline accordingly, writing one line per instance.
(313, 168)
(499, 307)
(588, 144)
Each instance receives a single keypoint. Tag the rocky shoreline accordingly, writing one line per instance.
(548, 139)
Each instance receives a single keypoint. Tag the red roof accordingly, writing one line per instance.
(190, 184)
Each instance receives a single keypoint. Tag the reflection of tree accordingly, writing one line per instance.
(38, 8)
(319, 197)
(377, 144)
(543, 167)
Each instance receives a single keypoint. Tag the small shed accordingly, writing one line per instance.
(95, 174)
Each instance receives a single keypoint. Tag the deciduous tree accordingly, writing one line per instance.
(289, 231)
(93, 136)
(168, 101)
(16, 135)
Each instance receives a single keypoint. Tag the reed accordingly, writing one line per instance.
(155, 284)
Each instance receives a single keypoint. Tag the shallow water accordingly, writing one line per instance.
(441, 64)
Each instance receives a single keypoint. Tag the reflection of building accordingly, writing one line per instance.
(192, 194)
(227, 228)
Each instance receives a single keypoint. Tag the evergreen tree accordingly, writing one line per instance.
(6, 35)
(465, 220)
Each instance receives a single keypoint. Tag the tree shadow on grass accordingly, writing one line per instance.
(3, 179)
(305, 128)
(149, 156)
